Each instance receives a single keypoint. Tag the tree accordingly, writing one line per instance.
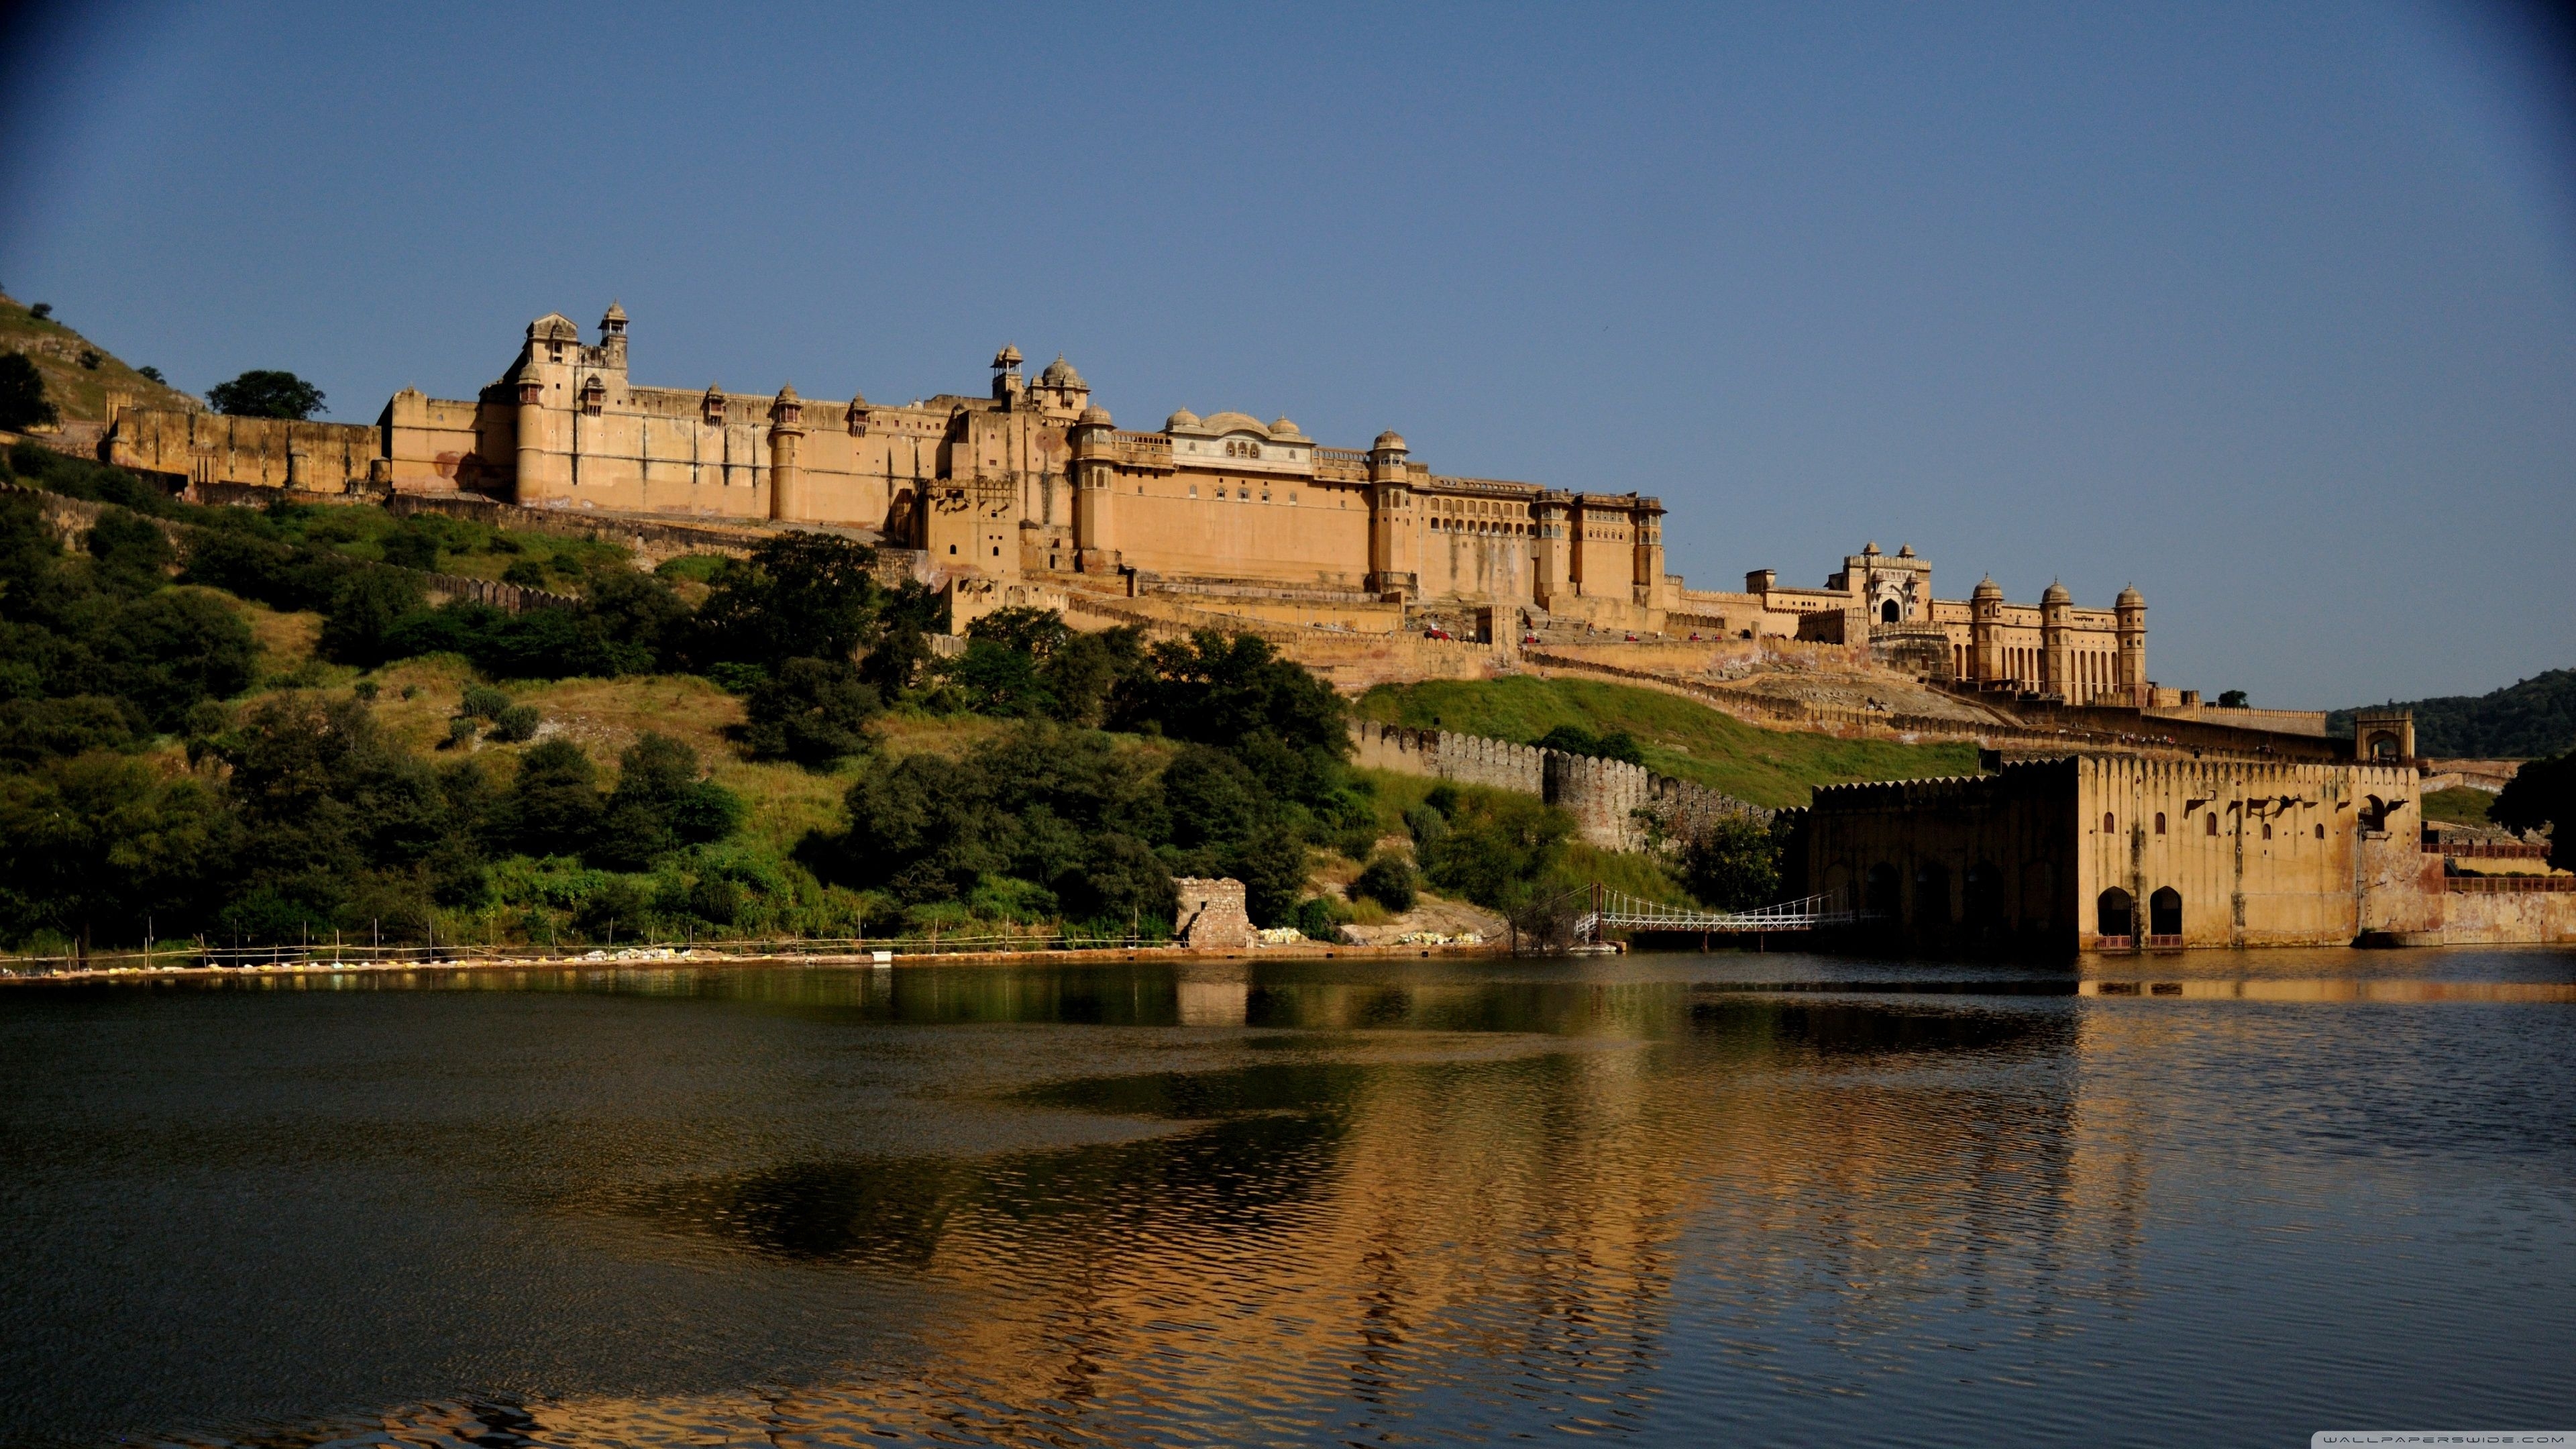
(266, 393)
(2231, 699)
(23, 404)
(150, 373)
(2543, 794)
(363, 612)
(812, 711)
(1387, 880)
(91, 844)
(1576, 740)
(660, 804)
(553, 807)
(1732, 863)
(799, 595)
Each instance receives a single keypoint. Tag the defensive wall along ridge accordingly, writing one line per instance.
(1615, 805)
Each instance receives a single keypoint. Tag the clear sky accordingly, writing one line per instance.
(2270, 309)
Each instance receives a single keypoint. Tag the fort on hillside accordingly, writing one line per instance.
(1035, 481)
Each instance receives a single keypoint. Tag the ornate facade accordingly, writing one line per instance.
(1036, 481)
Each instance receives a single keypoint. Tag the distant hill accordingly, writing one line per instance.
(79, 390)
(2523, 721)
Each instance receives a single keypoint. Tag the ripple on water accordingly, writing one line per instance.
(1412, 1205)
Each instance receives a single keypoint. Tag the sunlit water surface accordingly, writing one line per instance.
(1729, 1199)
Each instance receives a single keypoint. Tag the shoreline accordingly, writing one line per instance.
(694, 957)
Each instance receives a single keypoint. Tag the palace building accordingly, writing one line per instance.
(1035, 479)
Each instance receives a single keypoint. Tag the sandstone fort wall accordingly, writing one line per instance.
(1615, 805)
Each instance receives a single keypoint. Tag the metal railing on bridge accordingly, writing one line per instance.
(1617, 910)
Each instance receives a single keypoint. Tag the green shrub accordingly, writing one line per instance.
(515, 725)
(482, 701)
(1387, 880)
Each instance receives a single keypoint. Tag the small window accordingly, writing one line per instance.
(2108, 827)
(997, 553)
(2210, 820)
(2160, 822)
(2267, 830)
(2321, 832)
(952, 548)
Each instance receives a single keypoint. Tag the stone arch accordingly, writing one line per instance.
(1882, 892)
(2164, 912)
(1932, 896)
(2115, 914)
(1985, 896)
(1890, 612)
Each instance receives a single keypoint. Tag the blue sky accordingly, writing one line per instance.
(2269, 309)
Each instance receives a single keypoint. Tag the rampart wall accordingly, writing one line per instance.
(1615, 805)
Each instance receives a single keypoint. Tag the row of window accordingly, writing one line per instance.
(2208, 823)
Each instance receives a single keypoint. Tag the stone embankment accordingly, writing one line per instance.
(1616, 805)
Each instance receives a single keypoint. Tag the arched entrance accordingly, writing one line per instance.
(2164, 912)
(1883, 893)
(1932, 896)
(2115, 914)
(1985, 896)
(1889, 613)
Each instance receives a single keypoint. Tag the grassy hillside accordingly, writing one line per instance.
(2462, 806)
(2526, 720)
(79, 391)
(1682, 739)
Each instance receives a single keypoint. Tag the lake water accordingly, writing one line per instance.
(1674, 1199)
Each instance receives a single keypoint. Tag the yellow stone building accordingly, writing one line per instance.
(1034, 480)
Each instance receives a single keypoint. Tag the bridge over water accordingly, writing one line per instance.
(1617, 910)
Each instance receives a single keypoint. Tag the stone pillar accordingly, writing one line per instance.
(786, 484)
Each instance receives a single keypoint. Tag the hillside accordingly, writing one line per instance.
(80, 391)
(2526, 720)
(1684, 740)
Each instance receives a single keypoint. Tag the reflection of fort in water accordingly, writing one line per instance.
(1373, 1216)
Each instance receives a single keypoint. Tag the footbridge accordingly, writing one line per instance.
(1617, 910)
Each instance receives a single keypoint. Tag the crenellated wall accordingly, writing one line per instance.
(1615, 805)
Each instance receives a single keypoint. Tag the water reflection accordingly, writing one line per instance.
(1696, 1199)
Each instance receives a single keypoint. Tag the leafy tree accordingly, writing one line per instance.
(266, 393)
(1576, 740)
(2542, 795)
(134, 556)
(33, 731)
(553, 806)
(42, 311)
(169, 650)
(92, 845)
(23, 404)
(411, 548)
(1121, 880)
(661, 804)
(799, 595)
(1387, 880)
(813, 711)
(1496, 847)
(150, 373)
(1271, 862)
(1732, 862)
(364, 610)
(1082, 671)
(2231, 699)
